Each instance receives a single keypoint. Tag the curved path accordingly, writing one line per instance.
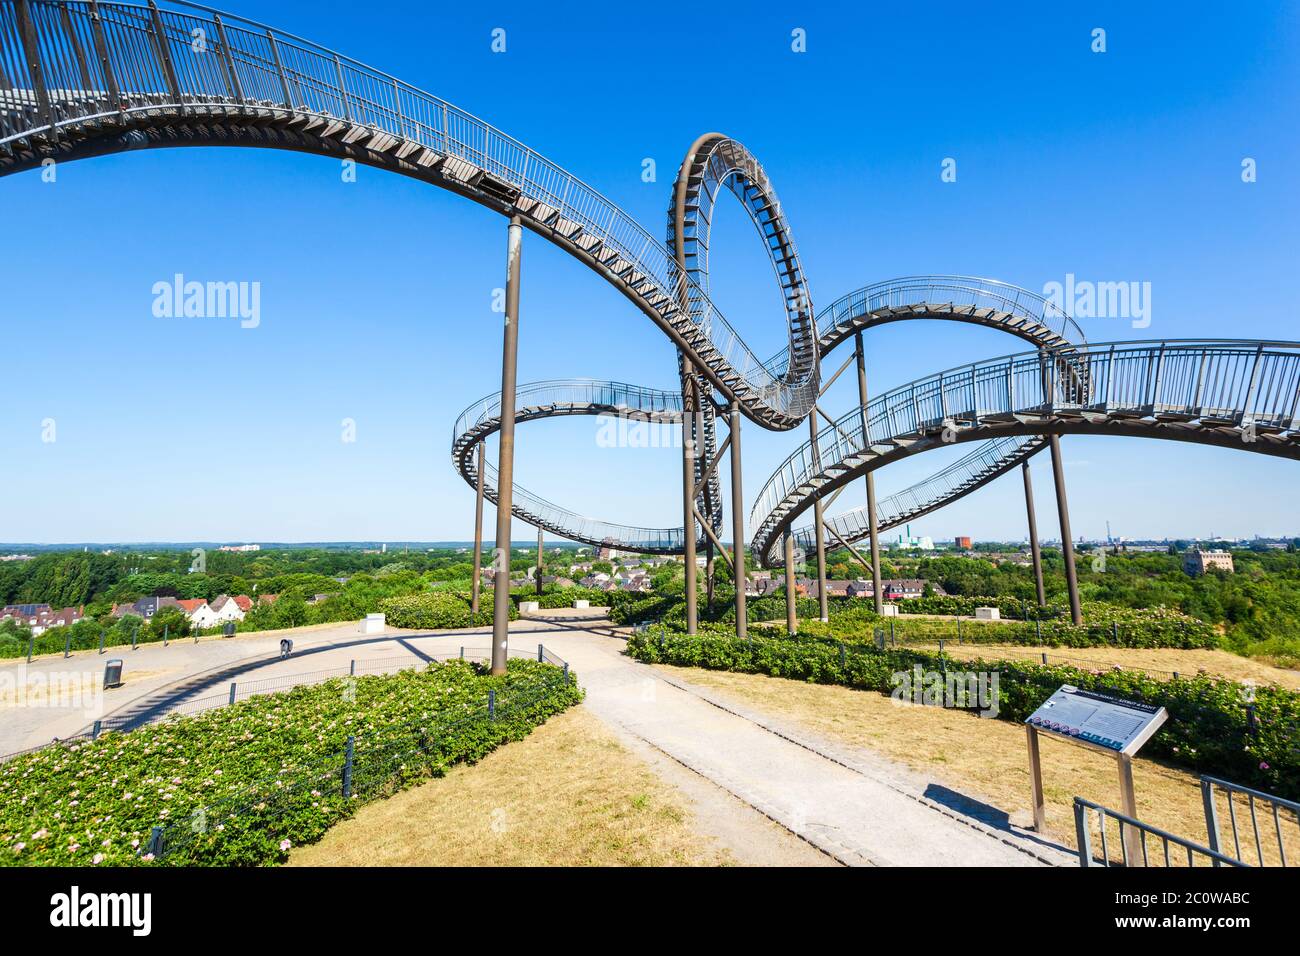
(1232, 394)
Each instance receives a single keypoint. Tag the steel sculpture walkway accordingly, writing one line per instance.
(1231, 393)
(85, 78)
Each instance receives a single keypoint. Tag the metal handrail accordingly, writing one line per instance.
(1083, 834)
(1233, 382)
(1254, 798)
(986, 462)
(151, 59)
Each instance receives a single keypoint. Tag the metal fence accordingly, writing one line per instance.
(1133, 839)
(1270, 842)
(237, 691)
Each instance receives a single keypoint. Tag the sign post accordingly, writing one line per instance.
(1109, 725)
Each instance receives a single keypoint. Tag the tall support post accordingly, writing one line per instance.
(1033, 535)
(478, 534)
(791, 615)
(1067, 543)
(506, 454)
(819, 529)
(737, 520)
(876, 594)
(688, 491)
(539, 561)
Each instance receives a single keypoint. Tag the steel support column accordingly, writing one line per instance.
(506, 455)
(688, 492)
(1067, 544)
(791, 614)
(1034, 549)
(737, 520)
(819, 530)
(539, 562)
(478, 532)
(872, 525)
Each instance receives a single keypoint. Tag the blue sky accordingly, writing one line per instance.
(376, 295)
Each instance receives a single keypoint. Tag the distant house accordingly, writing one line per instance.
(199, 612)
(41, 617)
(1197, 562)
(146, 607)
(226, 608)
(20, 612)
(243, 601)
(267, 598)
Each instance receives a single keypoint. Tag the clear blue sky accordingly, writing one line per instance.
(376, 295)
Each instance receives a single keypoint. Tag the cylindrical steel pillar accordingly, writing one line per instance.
(876, 594)
(708, 575)
(1034, 549)
(737, 520)
(791, 615)
(819, 528)
(688, 492)
(539, 561)
(1067, 544)
(506, 454)
(478, 533)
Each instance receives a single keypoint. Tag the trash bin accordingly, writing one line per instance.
(228, 629)
(113, 673)
(286, 648)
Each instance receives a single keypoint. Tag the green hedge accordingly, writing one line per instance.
(1209, 728)
(553, 597)
(231, 784)
(437, 610)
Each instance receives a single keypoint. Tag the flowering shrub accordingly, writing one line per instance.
(436, 610)
(239, 785)
(1209, 730)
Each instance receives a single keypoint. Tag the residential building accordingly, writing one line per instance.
(226, 608)
(963, 542)
(1198, 562)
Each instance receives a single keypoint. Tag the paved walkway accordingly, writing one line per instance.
(850, 804)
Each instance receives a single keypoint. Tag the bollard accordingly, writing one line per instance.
(31, 641)
(94, 731)
(352, 669)
(155, 842)
(892, 640)
(67, 643)
(232, 692)
(492, 705)
(941, 647)
(539, 653)
(462, 653)
(958, 631)
(1251, 725)
(348, 755)
(1114, 631)
(166, 627)
(101, 640)
(1038, 631)
(1044, 658)
(196, 635)
(566, 672)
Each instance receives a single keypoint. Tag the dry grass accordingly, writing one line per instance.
(569, 794)
(1160, 662)
(985, 759)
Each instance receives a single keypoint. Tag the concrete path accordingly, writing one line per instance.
(850, 805)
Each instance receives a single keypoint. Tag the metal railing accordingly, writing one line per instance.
(1019, 311)
(71, 62)
(1266, 841)
(568, 397)
(987, 461)
(1243, 384)
(1132, 842)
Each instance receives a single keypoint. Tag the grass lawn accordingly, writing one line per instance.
(984, 758)
(569, 794)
